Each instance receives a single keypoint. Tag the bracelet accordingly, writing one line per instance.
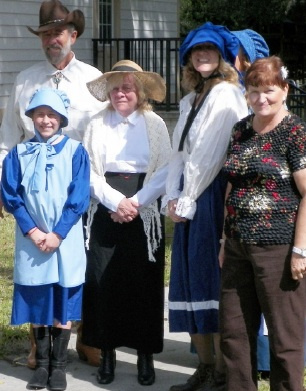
(32, 230)
(222, 241)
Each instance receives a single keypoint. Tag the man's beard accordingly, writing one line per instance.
(56, 59)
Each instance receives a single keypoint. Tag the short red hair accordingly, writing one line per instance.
(265, 72)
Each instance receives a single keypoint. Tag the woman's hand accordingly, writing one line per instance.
(298, 263)
(298, 266)
(126, 211)
(171, 212)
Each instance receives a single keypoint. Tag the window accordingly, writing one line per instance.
(105, 19)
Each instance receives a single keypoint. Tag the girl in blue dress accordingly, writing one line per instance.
(45, 185)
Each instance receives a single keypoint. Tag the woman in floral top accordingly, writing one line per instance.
(263, 260)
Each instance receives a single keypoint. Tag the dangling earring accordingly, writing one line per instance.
(284, 102)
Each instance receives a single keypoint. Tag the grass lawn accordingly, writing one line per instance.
(13, 340)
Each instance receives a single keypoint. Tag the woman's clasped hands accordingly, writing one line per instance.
(172, 212)
(126, 212)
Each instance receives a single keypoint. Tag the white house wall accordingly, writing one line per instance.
(20, 49)
(149, 19)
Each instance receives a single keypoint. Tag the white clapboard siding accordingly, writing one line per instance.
(149, 19)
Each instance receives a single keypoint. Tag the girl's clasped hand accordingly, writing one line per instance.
(46, 242)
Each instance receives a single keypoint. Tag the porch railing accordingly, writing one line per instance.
(296, 100)
(161, 55)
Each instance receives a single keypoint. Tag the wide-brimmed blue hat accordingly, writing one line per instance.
(253, 44)
(55, 99)
(220, 36)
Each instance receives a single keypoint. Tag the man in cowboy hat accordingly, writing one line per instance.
(58, 30)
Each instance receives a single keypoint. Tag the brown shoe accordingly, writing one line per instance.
(87, 353)
(202, 375)
(31, 360)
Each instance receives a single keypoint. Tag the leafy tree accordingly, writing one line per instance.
(281, 22)
(235, 14)
(297, 11)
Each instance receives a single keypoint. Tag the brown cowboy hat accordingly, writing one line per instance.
(53, 14)
(154, 85)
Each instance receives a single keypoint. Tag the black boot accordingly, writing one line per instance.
(60, 338)
(145, 366)
(41, 375)
(106, 371)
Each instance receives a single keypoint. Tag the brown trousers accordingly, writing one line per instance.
(258, 279)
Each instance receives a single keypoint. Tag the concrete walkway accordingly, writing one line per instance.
(174, 365)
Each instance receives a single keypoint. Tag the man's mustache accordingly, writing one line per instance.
(54, 47)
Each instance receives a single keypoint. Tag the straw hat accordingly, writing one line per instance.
(153, 84)
(54, 14)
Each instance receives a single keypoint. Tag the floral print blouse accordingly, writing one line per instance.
(263, 202)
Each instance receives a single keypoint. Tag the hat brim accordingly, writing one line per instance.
(154, 85)
(75, 17)
(55, 99)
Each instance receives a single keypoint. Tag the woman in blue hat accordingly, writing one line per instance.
(195, 192)
(252, 47)
(45, 185)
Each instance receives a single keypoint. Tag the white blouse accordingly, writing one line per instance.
(125, 148)
(205, 146)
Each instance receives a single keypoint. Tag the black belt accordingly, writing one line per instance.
(125, 175)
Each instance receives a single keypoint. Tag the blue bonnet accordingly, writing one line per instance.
(252, 43)
(220, 36)
(57, 100)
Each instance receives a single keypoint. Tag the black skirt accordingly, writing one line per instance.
(123, 302)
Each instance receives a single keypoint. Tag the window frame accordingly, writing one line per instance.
(103, 19)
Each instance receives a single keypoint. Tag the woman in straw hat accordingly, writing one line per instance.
(195, 193)
(129, 148)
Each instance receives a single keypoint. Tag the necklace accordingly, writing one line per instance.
(57, 77)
